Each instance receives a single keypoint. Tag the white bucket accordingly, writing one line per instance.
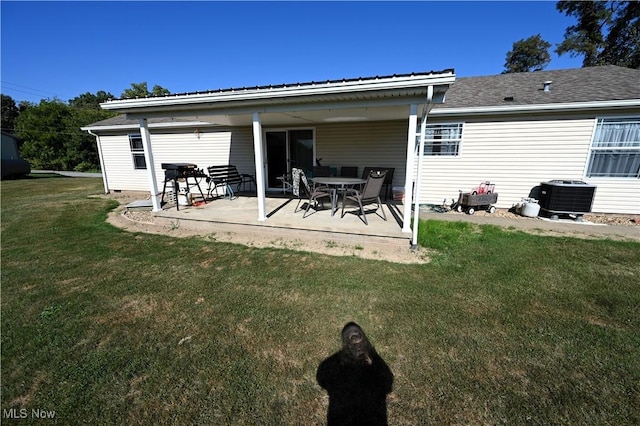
(530, 208)
(183, 197)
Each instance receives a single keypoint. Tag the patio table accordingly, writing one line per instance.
(335, 183)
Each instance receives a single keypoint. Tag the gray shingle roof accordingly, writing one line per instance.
(603, 83)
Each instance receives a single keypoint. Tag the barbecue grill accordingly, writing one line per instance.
(173, 172)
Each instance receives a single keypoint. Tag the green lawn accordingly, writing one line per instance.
(103, 326)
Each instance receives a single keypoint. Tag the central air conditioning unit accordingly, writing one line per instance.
(572, 197)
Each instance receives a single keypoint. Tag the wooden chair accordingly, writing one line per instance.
(370, 194)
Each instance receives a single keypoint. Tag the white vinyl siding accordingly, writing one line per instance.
(514, 153)
(517, 156)
(375, 144)
(203, 148)
(118, 165)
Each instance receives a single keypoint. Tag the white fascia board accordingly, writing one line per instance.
(276, 108)
(256, 94)
(515, 109)
(176, 124)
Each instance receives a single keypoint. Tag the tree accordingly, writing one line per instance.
(140, 90)
(607, 32)
(9, 113)
(531, 54)
(81, 149)
(43, 128)
(82, 152)
(622, 45)
(52, 136)
(90, 101)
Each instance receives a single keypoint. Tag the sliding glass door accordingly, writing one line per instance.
(286, 149)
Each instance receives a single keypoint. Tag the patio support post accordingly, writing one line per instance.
(259, 159)
(148, 158)
(423, 128)
(408, 178)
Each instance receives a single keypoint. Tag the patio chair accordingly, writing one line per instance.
(302, 189)
(321, 171)
(287, 182)
(388, 181)
(370, 194)
(349, 171)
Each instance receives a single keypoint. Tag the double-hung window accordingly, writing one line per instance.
(615, 150)
(137, 152)
(441, 139)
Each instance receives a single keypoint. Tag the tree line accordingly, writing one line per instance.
(605, 33)
(49, 132)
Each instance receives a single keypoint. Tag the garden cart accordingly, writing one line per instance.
(472, 202)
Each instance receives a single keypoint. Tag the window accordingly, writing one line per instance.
(441, 139)
(615, 150)
(137, 152)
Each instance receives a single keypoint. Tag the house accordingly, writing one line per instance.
(363, 122)
(514, 130)
(12, 164)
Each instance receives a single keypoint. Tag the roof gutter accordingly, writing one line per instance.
(537, 108)
(134, 126)
(283, 93)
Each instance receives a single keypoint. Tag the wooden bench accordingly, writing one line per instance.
(225, 176)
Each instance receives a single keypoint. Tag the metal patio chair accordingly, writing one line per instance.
(319, 171)
(302, 189)
(349, 171)
(388, 181)
(370, 194)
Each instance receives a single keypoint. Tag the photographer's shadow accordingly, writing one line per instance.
(357, 380)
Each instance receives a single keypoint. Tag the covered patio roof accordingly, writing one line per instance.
(313, 102)
(394, 97)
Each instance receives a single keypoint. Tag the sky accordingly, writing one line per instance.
(60, 50)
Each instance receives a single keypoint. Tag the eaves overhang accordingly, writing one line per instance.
(166, 125)
(379, 90)
(537, 108)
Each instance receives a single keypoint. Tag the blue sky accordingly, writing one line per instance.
(64, 49)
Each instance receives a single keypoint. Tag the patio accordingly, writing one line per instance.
(239, 214)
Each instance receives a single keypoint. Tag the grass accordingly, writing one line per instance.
(104, 326)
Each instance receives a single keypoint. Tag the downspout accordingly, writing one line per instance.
(423, 127)
(102, 168)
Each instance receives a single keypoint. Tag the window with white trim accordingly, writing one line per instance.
(441, 139)
(137, 152)
(615, 149)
